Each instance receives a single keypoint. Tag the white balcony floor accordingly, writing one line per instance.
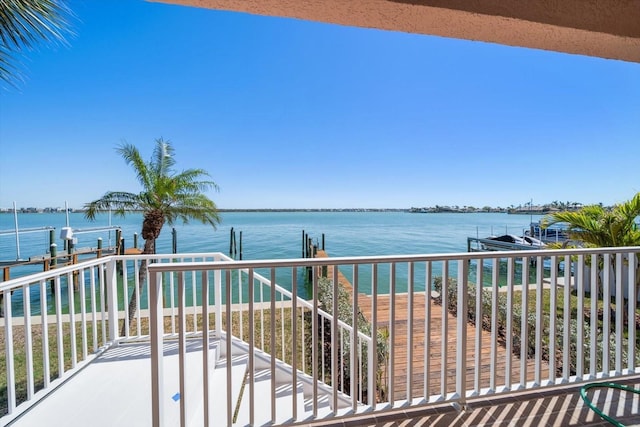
(113, 390)
(557, 407)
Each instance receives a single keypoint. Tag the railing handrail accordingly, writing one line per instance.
(44, 275)
(381, 259)
(227, 262)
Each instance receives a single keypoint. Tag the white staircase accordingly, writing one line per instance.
(241, 389)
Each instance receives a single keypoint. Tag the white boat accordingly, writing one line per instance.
(511, 242)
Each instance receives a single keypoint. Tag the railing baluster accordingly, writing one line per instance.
(392, 332)
(334, 342)
(553, 313)
(373, 346)
(229, 337)
(125, 293)
(83, 314)
(566, 340)
(182, 348)
(102, 284)
(479, 322)
(495, 276)
(593, 322)
(26, 301)
(540, 317)
(194, 301)
(322, 346)
(156, 332)
(59, 341)
(272, 344)
(461, 333)
(240, 308)
(9, 352)
(524, 324)
(217, 283)
(508, 382)
(45, 334)
(72, 320)
(294, 341)
(204, 280)
(353, 341)
(619, 312)
(606, 316)
(281, 323)
(136, 287)
(252, 384)
(172, 302)
(111, 281)
(580, 320)
(632, 301)
(427, 331)
(314, 342)
(261, 311)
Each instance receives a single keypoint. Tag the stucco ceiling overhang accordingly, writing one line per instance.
(600, 28)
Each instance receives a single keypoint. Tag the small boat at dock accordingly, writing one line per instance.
(505, 242)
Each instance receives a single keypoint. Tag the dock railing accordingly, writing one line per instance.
(447, 327)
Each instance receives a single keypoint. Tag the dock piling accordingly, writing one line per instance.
(52, 237)
(174, 240)
(53, 248)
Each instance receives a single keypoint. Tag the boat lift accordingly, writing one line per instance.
(67, 233)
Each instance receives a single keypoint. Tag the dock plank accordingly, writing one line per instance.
(435, 347)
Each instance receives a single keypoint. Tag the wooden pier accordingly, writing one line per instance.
(436, 337)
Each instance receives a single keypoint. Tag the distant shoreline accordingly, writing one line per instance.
(277, 210)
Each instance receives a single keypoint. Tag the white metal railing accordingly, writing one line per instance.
(505, 339)
(293, 328)
(55, 331)
(530, 308)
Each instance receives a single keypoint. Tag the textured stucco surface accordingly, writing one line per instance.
(602, 28)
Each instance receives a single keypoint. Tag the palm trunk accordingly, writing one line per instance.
(149, 248)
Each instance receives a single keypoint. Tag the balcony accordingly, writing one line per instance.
(459, 339)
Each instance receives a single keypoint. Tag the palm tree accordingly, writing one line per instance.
(166, 196)
(25, 23)
(597, 227)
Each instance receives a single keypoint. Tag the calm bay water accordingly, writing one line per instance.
(276, 235)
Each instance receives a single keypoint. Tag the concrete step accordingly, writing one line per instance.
(218, 390)
(193, 380)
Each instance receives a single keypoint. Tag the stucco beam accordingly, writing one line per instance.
(600, 28)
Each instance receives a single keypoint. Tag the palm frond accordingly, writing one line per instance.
(118, 202)
(24, 24)
(593, 225)
(132, 157)
(163, 157)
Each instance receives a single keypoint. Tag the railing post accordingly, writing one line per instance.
(217, 282)
(461, 335)
(156, 329)
(112, 298)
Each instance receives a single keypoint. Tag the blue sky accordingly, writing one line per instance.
(293, 114)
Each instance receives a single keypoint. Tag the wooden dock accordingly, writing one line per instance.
(437, 335)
